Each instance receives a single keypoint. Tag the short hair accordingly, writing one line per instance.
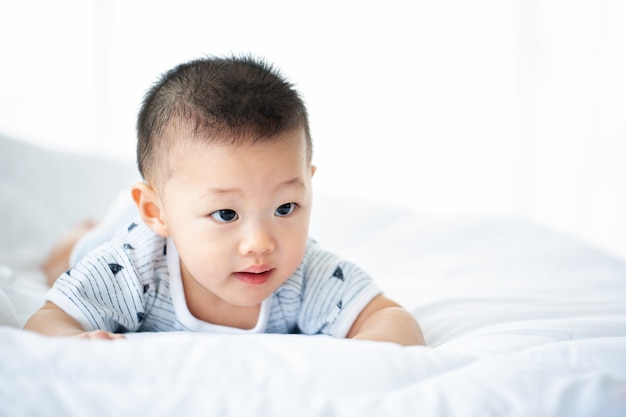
(232, 99)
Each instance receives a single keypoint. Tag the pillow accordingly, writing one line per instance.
(44, 192)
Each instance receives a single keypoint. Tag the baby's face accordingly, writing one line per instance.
(239, 216)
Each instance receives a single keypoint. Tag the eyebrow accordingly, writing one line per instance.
(295, 181)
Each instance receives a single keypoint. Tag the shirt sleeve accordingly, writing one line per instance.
(102, 292)
(335, 292)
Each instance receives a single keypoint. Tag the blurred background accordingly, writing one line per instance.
(500, 107)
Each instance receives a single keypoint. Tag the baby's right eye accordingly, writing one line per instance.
(224, 216)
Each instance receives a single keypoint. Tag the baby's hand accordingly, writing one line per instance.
(100, 334)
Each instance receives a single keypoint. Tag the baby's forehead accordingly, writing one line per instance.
(212, 158)
(184, 137)
(183, 144)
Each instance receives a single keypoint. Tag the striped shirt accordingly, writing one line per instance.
(132, 283)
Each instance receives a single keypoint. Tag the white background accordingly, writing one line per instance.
(500, 107)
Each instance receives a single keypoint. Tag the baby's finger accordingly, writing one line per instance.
(100, 334)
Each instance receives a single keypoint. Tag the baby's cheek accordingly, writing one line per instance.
(296, 254)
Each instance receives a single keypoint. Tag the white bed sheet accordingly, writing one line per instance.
(519, 321)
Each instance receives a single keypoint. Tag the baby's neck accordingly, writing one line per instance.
(225, 314)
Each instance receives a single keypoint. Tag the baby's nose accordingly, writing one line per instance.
(257, 240)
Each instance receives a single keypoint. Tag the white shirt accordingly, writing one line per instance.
(133, 283)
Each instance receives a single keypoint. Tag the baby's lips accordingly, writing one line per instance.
(257, 269)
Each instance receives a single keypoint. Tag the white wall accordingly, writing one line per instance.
(506, 107)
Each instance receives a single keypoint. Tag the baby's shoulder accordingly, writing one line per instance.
(139, 238)
(136, 256)
(135, 246)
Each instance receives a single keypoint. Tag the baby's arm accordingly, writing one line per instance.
(50, 320)
(384, 320)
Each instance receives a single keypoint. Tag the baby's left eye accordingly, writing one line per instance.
(285, 209)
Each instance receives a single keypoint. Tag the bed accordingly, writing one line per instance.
(518, 320)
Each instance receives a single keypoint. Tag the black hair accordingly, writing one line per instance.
(229, 99)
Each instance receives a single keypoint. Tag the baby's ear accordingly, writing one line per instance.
(150, 208)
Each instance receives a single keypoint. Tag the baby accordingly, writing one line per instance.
(221, 244)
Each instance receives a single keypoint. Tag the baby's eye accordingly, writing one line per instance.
(224, 216)
(285, 209)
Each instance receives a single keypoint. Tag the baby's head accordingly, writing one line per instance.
(225, 152)
(232, 100)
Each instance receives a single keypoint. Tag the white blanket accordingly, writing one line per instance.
(519, 321)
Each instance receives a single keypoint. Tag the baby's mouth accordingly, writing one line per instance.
(255, 275)
(256, 269)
